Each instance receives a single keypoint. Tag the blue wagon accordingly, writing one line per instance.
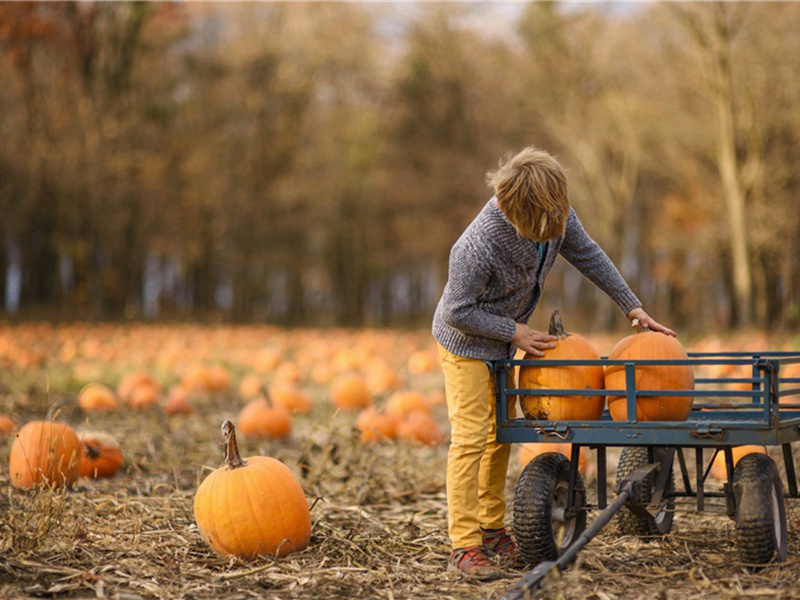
(760, 407)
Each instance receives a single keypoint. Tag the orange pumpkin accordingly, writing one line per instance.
(420, 426)
(569, 346)
(291, 397)
(7, 425)
(250, 386)
(718, 468)
(133, 380)
(375, 426)
(405, 402)
(349, 391)
(527, 452)
(261, 419)
(97, 397)
(650, 345)
(269, 514)
(45, 452)
(177, 401)
(101, 455)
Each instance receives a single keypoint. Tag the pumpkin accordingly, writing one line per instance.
(718, 468)
(349, 391)
(250, 386)
(650, 345)
(262, 419)
(291, 397)
(44, 452)
(402, 403)
(569, 346)
(177, 401)
(375, 426)
(528, 451)
(96, 397)
(134, 380)
(101, 455)
(7, 425)
(420, 426)
(252, 507)
(421, 361)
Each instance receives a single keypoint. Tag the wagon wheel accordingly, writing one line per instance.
(760, 510)
(542, 527)
(629, 523)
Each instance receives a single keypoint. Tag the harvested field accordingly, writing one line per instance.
(378, 511)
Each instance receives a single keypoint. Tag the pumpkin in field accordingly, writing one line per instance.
(7, 425)
(420, 426)
(404, 402)
(177, 401)
(101, 455)
(527, 452)
(349, 391)
(569, 346)
(260, 418)
(376, 426)
(97, 397)
(141, 381)
(291, 396)
(44, 452)
(252, 507)
(250, 386)
(718, 468)
(650, 345)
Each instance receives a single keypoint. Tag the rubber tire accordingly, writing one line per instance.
(761, 533)
(542, 486)
(629, 523)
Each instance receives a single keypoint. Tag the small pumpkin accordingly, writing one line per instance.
(7, 425)
(261, 418)
(718, 468)
(97, 397)
(404, 402)
(376, 426)
(646, 344)
(44, 453)
(252, 507)
(569, 346)
(177, 401)
(420, 426)
(291, 397)
(349, 391)
(528, 451)
(101, 455)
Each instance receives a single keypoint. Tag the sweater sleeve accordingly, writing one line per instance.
(586, 255)
(460, 307)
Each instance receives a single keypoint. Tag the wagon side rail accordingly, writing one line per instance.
(739, 398)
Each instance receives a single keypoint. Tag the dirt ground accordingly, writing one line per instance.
(378, 522)
(379, 529)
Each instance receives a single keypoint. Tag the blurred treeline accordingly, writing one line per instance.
(313, 163)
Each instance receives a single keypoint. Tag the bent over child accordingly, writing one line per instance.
(497, 270)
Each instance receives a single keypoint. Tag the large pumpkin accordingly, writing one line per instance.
(569, 346)
(252, 507)
(44, 452)
(650, 345)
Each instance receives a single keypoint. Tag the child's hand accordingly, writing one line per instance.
(530, 340)
(648, 322)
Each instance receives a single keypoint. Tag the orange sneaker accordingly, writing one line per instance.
(472, 561)
(500, 545)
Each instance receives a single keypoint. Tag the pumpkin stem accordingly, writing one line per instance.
(91, 451)
(556, 326)
(637, 325)
(232, 457)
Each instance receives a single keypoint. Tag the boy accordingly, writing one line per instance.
(496, 274)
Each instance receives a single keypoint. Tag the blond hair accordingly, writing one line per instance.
(531, 190)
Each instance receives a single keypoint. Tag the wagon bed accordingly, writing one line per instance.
(740, 399)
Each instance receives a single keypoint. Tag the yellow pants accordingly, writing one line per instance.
(476, 463)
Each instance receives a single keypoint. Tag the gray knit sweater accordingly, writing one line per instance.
(494, 280)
